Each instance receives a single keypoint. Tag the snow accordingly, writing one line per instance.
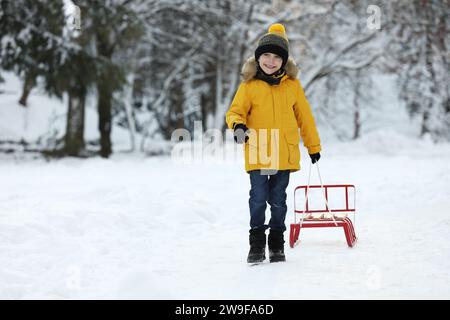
(151, 228)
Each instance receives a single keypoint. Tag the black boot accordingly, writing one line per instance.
(276, 246)
(257, 246)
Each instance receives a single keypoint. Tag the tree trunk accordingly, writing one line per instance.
(207, 101)
(356, 115)
(425, 116)
(28, 85)
(356, 133)
(429, 15)
(74, 139)
(104, 117)
(129, 111)
(220, 112)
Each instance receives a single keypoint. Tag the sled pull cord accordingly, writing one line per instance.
(323, 193)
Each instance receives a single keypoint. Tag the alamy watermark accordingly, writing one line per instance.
(73, 280)
(74, 18)
(262, 147)
(374, 278)
(374, 19)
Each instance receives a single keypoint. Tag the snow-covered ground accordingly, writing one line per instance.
(135, 227)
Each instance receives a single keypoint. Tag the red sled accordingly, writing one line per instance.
(325, 218)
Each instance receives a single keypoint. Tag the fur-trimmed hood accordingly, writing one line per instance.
(248, 71)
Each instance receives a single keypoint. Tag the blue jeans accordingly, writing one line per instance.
(268, 189)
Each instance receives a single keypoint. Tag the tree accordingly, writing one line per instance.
(339, 56)
(30, 40)
(419, 46)
(190, 59)
(113, 28)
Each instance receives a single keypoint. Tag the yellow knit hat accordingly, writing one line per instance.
(279, 30)
(275, 41)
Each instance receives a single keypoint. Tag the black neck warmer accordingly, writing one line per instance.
(272, 79)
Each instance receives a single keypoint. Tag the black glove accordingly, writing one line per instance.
(240, 133)
(315, 157)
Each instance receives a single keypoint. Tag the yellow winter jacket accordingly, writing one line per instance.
(273, 114)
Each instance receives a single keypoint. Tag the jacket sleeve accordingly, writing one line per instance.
(237, 113)
(305, 121)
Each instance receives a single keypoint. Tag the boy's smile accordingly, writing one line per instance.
(269, 67)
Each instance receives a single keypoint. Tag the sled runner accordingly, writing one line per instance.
(328, 217)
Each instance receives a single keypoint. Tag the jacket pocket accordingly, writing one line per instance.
(293, 140)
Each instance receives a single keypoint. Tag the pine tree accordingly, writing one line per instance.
(30, 40)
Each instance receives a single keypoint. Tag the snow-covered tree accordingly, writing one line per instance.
(189, 62)
(420, 50)
(75, 77)
(337, 54)
(113, 29)
(30, 40)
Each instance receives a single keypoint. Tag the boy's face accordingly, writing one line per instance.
(270, 62)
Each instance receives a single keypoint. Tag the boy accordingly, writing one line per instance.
(268, 109)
